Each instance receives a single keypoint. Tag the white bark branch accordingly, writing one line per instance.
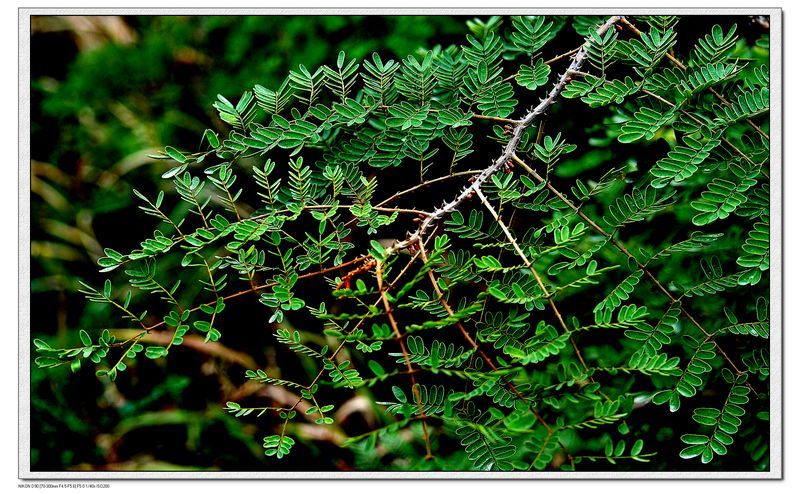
(511, 147)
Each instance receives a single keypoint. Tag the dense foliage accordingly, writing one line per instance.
(545, 246)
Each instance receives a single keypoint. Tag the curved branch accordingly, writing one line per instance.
(511, 147)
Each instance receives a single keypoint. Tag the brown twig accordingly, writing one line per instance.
(426, 184)
(357, 326)
(496, 119)
(396, 329)
(552, 60)
(559, 57)
(486, 358)
(262, 287)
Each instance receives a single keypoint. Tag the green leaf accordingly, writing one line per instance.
(155, 352)
(615, 91)
(399, 394)
(531, 33)
(694, 439)
(600, 48)
(723, 196)
(637, 206)
(405, 116)
(692, 451)
(713, 47)
(85, 338)
(175, 154)
(278, 445)
(212, 138)
(604, 309)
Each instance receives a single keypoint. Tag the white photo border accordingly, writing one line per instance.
(776, 248)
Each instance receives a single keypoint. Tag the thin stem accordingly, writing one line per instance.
(268, 285)
(538, 278)
(559, 57)
(626, 457)
(486, 358)
(167, 219)
(199, 209)
(426, 184)
(135, 340)
(342, 344)
(554, 59)
(232, 202)
(476, 115)
(345, 207)
(496, 119)
(582, 74)
(396, 329)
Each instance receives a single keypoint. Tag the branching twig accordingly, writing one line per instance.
(485, 357)
(511, 146)
(559, 57)
(539, 280)
(262, 287)
(342, 344)
(399, 337)
(426, 184)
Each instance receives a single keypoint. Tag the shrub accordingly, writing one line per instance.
(520, 256)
